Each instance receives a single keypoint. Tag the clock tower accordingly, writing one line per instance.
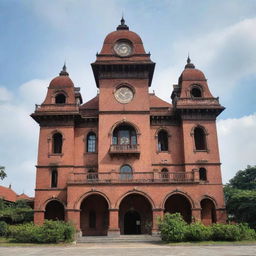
(123, 72)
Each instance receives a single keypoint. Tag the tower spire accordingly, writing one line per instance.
(64, 72)
(189, 64)
(122, 26)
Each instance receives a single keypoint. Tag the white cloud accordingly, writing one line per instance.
(237, 144)
(225, 56)
(19, 135)
(5, 95)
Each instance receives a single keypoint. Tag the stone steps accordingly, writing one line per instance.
(119, 239)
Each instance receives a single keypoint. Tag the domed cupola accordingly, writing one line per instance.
(122, 49)
(192, 90)
(61, 95)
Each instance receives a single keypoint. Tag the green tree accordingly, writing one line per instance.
(2, 173)
(240, 196)
(245, 179)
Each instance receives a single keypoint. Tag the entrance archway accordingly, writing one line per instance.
(208, 212)
(179, 203)
(135, 215)
(132, 223)
(54, 210)
(94, 216)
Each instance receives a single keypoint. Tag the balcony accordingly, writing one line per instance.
(124, 149)
(135, 177)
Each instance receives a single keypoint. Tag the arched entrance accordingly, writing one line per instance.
(132, 222)
(179, 203)
(135, 215)
(94, 216)
(208, 212)
(54, 210)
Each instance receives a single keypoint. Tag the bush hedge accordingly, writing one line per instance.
(49, 232)
(174, 229)
(3, 228)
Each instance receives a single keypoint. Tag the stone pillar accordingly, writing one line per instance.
(196, 175)
(113, 228)
(196, 214)
(157, 213)
(73, 216)
(38, 217)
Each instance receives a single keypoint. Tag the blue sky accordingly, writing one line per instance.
(38, 36)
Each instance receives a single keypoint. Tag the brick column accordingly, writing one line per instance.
(196, 214)
(113, 228)
(73, 216)
(39, 217)
(157, 213)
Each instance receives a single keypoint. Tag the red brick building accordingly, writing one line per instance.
(115, 163)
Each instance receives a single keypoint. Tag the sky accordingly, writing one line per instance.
(37, 36)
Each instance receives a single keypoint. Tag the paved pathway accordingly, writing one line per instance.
(140, 249)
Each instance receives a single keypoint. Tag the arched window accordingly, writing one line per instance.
(164, 174)
(91, 142)
(199, 137)
(92, 219)
(202, 174)
(60, 98)
(124, 134)
(126, 172)
(162, 140)
(57, 140)
(54, 178)
(196, 92)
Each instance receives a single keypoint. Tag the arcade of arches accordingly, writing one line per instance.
(135, 213)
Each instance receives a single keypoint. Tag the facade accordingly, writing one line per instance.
(115, 163)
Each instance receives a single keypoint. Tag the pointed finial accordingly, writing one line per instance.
(64, 72)
(123, 26)
(189, 64)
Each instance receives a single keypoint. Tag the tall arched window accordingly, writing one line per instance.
(162, 140)
(124, 134)
(202, 174)
(60, 98)
(199, 137)
(126, 172)
(91, 142)
(54, 178)
(57, 141)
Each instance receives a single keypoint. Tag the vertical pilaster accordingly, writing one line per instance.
(196, 214)
(113, 229)
(157, 213)
(39, 217)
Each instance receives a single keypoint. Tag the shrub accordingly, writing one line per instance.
(49, 232)
(226, 232)
(246, 233)
(172, 227)
(198, 232)
(3, 228)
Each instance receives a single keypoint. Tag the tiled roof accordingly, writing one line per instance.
(91, 104)
(9, 195)
(156, 102)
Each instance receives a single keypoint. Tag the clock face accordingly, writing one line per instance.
(124, 94)
(123, 49)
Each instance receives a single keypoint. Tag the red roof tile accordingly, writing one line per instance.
(8, 194)
(156, 102)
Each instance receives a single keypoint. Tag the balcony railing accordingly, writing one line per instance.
(198, 101)
(135, 177)
(120, 149)
(56, 107)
